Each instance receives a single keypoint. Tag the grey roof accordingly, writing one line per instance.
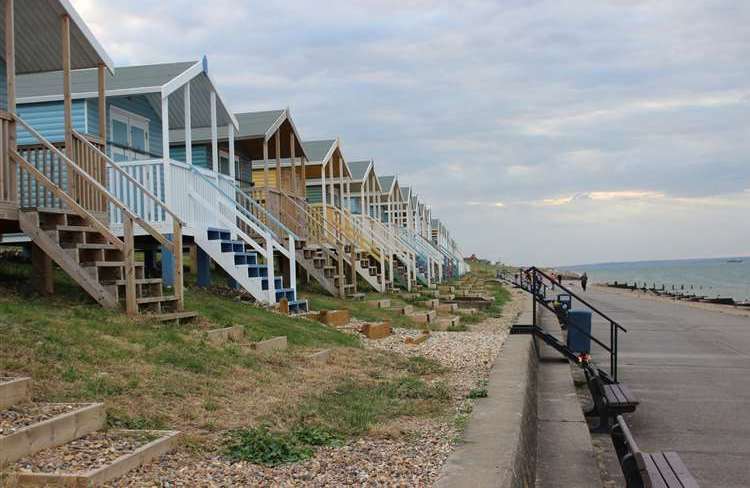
(253, 125)
(386, 182)
(38, 37)
(405, 192)
(143, 80)
(358, 169)
(85, 82)
(317, 150)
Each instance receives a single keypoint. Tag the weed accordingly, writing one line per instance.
(121, 420)
(422, 366)
(261, 446)
(477, 393)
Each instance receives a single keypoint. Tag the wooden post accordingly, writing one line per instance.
(188, 126)
(41, 263)
(178, 279)
(323, 191)
(342, 271)
(131, 304)
(354, 267)
(230, 141)
(277, 146)
(304, 176)
(73, 178)
(102, 85)
(341, 182)
(214, 135)
(10, 78)
(266, 178)
(293, 160)
(165, 149)
(331, 184)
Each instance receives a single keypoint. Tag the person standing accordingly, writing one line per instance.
(584, 280)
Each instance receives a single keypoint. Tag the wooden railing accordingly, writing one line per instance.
(8, 183)
(82, 189)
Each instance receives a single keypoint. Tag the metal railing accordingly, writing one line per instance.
(533, 280)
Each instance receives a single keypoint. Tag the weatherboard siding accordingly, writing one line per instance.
(48, 118)
(3, 87)
(201, 154)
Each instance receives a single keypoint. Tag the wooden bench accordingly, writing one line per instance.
(610, 400)
(648, 470)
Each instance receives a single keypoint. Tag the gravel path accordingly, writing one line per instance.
(412, 458)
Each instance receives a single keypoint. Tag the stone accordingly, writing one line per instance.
(424, 317)
(335, 318)
(384, 303)
(447, 307)
(269, 345)
(376, 330)
(320, 357)
(221, 336)
(417, 340)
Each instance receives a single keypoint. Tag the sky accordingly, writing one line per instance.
(541, 132)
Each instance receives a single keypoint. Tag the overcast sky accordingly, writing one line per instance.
(547, 132)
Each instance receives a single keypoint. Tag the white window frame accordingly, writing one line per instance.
(131, 120)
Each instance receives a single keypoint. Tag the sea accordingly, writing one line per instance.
(724, 277)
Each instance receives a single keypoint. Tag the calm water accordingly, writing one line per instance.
(709, 277)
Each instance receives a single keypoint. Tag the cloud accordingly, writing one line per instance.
(511, 117)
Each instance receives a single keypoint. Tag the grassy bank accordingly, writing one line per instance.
(153, 375)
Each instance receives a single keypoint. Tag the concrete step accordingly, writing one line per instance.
(14, 390)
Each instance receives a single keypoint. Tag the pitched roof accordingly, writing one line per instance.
(358, 169)
(85, 82)
(38, 38)
(386, 182)
(405, 192)
(317, 150)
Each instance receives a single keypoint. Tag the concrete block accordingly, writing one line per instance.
(320, 357)
(431, 293)
(417, 340)
(405, 310)
(424, 317)
(447, 307)
(385, 303)
(447, 296)
(376, 330)
(222, 336)
(433, 303)
(335, 318)
(14, 391)
(269, 345)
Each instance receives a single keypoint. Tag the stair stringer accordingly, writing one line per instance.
(226, 261)
(30, 227)
(316, 273)
(365, 274)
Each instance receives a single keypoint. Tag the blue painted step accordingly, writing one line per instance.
(278, 282)
(241, 258)
(298, 306)
(232, 246)
(215, 234)
(287, 293)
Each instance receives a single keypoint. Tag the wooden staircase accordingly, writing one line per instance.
(97, 265)
(65, 208)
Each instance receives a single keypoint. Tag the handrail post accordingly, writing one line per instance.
(131, 304)
(270, 270)
(292, 264)
(613, 353)
(177, 253)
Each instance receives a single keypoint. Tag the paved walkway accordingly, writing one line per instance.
(691, 371)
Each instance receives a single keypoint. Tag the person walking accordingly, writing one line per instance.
(584, 280)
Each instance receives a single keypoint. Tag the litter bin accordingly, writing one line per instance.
(579, 322)
(565, 301)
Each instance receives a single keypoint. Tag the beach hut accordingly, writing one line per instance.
(162, 127)
(54, 177)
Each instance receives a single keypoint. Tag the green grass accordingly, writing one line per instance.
(352, 408)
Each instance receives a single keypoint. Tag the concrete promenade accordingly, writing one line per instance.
(691, 371)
